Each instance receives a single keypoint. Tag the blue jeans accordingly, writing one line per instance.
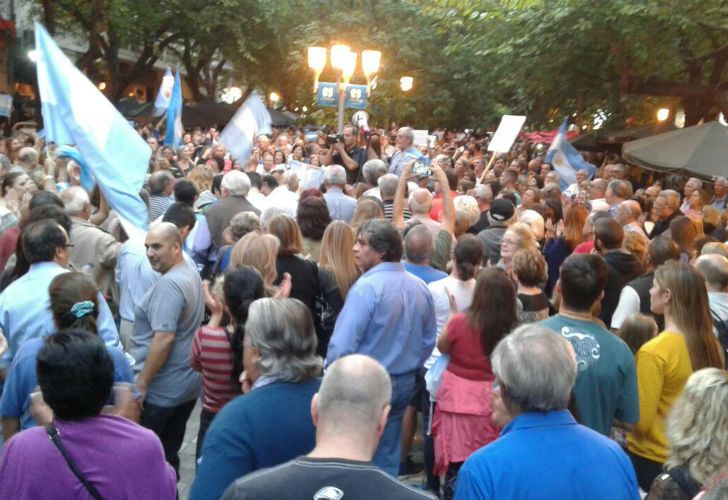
(390, 444)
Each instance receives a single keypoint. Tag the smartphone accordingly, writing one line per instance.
(421, 168)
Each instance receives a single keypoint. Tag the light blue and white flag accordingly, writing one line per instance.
(161, 103)
(76, 112)
(566, 159)
(173, 136)
(65, 151)
(251, 120)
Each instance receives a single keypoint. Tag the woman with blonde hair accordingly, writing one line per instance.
(665, 363)
(517, 237)
(304, 273)
(259, 250)
(337, 272)
(366, 209)
(697, 429)
(201, 177)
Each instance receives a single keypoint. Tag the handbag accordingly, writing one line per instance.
(56, 440)
(324, 314)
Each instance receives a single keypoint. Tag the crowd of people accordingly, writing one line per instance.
(329, 298)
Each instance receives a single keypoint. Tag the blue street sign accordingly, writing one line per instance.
(327, 95)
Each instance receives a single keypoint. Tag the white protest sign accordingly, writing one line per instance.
(308, 175)
(420, 138)
(506, 134)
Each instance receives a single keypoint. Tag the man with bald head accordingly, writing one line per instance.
(714, 268)
(165, 324)
(629, 214)
(420, 203)
(350, 413)
(418, 250)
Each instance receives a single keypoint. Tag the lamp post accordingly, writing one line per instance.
(343, 60)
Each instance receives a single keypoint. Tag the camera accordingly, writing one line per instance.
(421, 168)
(334, 138)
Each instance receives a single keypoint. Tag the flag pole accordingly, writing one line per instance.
(487, 168)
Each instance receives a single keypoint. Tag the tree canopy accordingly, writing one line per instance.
(472, 60)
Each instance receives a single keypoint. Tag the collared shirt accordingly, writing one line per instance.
(135, 276)
(202, 243)
(283, 198)
(388, 315)
(25, 309)
(158, 205)
(400, 158)
(720, 203)
(341, 206)
(548, 456)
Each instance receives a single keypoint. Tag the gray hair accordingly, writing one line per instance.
(335, 176)
(600, 184)
(388, 185)
(483, 192)
(290, 179)
(721, 180)
(420, 201)
(536, 369)
(373, 170)
(672, 198)
(408, 133)
(237, 183)
(269, 214)
(74, 200)
(620, 189)
(353, 393)
(243, 223)
(697, 426)
(159, 181)
(282, 331)
(418, 244)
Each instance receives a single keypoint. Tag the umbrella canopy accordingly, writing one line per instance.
(612, 140)
(701, 150)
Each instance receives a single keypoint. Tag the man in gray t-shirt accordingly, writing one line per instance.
(164, 329)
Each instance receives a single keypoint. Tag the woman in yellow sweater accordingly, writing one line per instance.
(664, 363)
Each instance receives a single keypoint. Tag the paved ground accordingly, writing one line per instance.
(187, 456)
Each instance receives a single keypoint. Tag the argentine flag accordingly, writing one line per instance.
(173, 136)
(250, 120)
(161, 103)
(76, 112)
(566, 159)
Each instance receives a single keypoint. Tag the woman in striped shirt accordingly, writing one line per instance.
(217, 351)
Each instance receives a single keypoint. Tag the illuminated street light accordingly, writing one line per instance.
(406, 83)
(317, 62)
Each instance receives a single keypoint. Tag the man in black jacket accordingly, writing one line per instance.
(623, 266)
(667, 207)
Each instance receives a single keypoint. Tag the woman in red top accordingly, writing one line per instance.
(462, 422)
(217, 351)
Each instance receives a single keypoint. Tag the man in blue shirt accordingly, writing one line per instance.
(390, 316)
(418, 250)
(25, 304)
(406, 152)
(341, 206)
(542, 451)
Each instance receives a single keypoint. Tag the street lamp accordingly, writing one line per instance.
(344, 60)
(406, 82)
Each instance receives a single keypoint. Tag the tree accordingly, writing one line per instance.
(581, 56)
